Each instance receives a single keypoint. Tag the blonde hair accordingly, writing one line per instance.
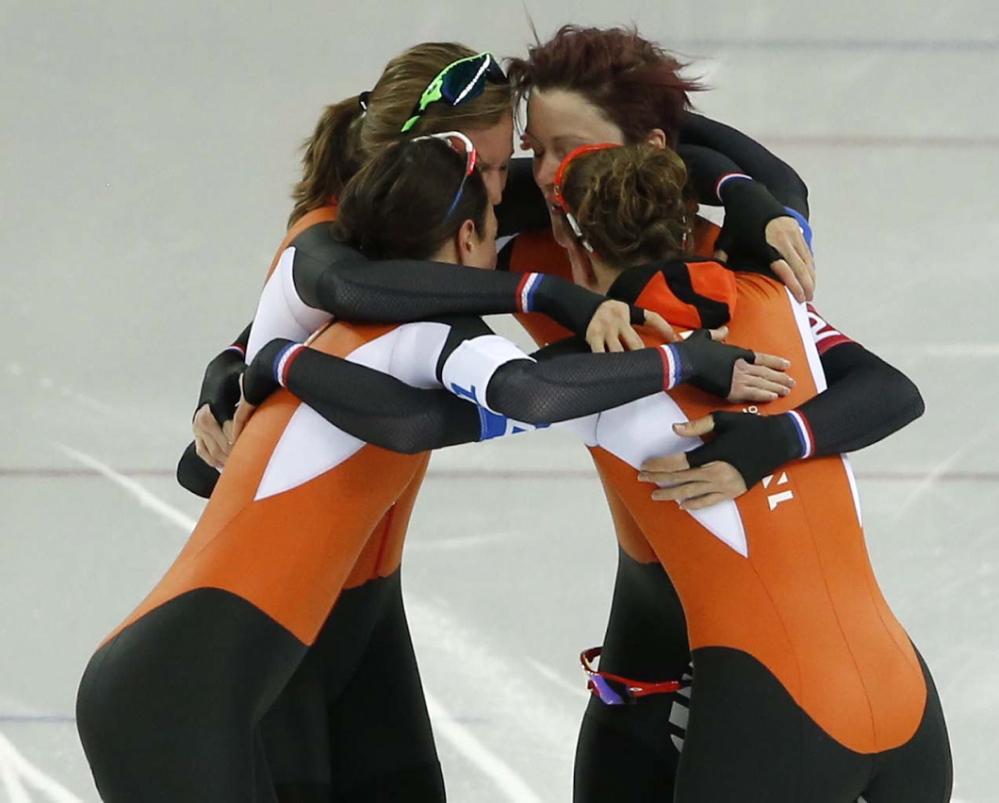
(630, 203)
(346, 135)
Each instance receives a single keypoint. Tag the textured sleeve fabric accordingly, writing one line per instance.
(380, 409)
(749, 206)
(866, 400)
(523, 207)
(509, 391)
(334, 278)
(778, 176)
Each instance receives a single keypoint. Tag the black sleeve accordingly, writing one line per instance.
(558, 388)
(384, 411)
(523, 207)
(195, 474)
(380, 409)
(220, 386)
(751, 157)
(866, 400)
(749, 207)
(341, 281)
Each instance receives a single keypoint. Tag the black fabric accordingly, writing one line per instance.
(378, 408)
(629, 749)
(195, 475)
(755, 445)
(258, 378)
(753, 159)
(331, 276)
(704, 169)
(206, 698)
(708, 364)
(628, 286)
(352, 721)
(611, 765)
(749, 207)
(749, 742)
(167, 709)
(574, 385)
(523, 207)
(220, 386)
(867, 400)
(386, 412)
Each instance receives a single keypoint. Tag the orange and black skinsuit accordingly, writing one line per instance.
(294, 730)
(288, 589)
(805, 685)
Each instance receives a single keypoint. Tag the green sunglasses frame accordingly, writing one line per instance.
(434, 93)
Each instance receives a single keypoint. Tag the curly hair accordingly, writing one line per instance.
(630, 203)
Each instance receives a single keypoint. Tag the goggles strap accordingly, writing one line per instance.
(471, 157)
(563, 168)
(635, 688)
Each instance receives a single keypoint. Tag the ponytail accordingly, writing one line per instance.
(332, 156)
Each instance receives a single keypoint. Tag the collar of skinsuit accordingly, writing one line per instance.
(691, 294)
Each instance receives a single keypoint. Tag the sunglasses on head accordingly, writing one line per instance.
(616, 690)
(460, 144)
(560, 181)
(461, 80)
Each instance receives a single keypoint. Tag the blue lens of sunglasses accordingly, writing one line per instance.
(607, 694)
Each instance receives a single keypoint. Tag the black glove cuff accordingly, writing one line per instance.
(708, 365)
(755, 445)
(258, 379)
(749, 207)
(220, 387)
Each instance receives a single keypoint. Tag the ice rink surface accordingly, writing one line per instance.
(147, 154)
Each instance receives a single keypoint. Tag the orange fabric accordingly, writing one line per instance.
(537, 252)
(804, 602)
(711, 280)
(292, 554)
(629, 535)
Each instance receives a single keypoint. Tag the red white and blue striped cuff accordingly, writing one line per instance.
(526, 290)
(804, 430)
(671, 366)
(728, 177)
(239, 348)
(282, 365)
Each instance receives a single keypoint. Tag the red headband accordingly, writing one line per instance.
(560, 198)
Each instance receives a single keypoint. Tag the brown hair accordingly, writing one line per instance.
(346, 136)
(635, 83)
(396, 206)
(629, 203)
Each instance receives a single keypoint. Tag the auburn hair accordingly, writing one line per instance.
(630, 203)
(347, 135)
(636, 84)
(396, 205)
